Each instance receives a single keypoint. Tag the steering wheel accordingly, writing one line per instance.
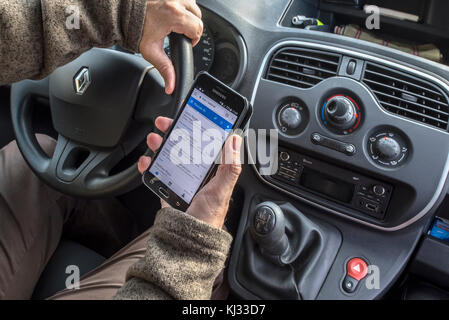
(102, 106)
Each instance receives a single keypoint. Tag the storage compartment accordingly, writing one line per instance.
(431, 261)
(430, 27)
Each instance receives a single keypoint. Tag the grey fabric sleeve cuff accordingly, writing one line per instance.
(183, 258)
(193, 230)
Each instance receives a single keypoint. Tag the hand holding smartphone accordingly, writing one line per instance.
(187, 155)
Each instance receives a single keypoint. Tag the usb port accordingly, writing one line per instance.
(371, 207)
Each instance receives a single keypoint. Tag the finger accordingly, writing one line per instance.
(158, 58)
(143, 164)
(191, 26)
(229, 172)
(163, 123)
(164, 204)
(232, 150)
(154, 141)
(193, 7)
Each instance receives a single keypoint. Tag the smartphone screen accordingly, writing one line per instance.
(194, 142)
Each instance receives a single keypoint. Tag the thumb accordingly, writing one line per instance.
(158, 58)
(229, 171)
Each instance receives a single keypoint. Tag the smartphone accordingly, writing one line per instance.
(188, 154)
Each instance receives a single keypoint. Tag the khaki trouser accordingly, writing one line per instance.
(32, 216)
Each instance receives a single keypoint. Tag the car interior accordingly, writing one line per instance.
(358, 206)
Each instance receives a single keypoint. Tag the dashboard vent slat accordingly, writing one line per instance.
(404, 91)
(305, 72)
(407, 95)
(301, 67)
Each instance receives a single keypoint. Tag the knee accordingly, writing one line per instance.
(16, 176)
(13, 164)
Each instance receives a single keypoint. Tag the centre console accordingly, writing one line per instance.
(357, 133)
(361, 164)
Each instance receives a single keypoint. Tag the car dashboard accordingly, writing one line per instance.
(363, 141)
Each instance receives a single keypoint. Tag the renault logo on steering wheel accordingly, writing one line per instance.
(82, 81)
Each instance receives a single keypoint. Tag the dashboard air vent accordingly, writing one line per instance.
(301, 67)
(407, 95)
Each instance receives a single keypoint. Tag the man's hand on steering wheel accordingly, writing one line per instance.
(162, 18)
(212, 201)
(184, 16)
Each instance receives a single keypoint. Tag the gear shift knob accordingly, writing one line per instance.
(267, 227)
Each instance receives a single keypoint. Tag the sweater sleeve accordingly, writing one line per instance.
(183, 258)
(37, 36)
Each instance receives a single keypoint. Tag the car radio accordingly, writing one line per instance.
(353, 190)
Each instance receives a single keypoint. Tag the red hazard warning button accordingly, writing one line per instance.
(357, 268)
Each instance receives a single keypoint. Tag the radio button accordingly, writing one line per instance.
(346, 148)
(379, 190)
(316, 137)
(350, 149)
(284, 156)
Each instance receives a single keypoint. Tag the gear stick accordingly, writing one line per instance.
(285, 254)
(267, 227)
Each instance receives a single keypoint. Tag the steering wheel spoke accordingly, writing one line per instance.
(76, 163)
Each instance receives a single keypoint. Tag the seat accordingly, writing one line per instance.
(54, 277)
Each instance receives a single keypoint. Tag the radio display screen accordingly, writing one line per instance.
(328, 186)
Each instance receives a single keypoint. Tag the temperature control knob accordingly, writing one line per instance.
(341, 114)
(291, 118)
(388, 148)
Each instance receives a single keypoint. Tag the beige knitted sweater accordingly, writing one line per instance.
(184, 255)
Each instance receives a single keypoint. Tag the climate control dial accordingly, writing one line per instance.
(292, 117)
(388, 148)
(341, 114)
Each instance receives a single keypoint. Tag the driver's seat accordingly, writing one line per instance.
(54, 276)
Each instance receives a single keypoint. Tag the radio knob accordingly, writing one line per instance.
(379, 190)
(291, 118)
(284, 156)
(388, 148)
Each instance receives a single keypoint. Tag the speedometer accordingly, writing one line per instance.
(204, 52)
